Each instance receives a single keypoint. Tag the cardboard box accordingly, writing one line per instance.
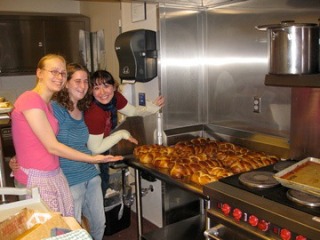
(44, 230)
(29, 225)
(35, 202)
(31, 218)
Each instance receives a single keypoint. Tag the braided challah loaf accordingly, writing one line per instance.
(202, 178)
(202, 160)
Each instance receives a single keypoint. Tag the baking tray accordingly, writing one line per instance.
(303, 176)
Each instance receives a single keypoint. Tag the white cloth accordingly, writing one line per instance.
(130, 110)
(97, 144)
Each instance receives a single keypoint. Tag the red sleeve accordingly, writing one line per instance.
(95, 120)
(121, 100)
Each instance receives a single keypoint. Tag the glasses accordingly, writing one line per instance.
(56, 73)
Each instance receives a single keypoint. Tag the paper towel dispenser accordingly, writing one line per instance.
(137, 55)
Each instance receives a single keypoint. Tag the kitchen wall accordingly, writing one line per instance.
(152, 87)
(152, 202)
(105, 16)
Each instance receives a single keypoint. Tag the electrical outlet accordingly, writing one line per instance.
(142, 99)
(257, 104)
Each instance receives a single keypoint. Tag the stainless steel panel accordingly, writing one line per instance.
(236, 72)
(182, 72)
(271, 144)
(213, 63)
(85, 49)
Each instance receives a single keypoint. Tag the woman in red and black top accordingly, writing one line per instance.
(101, 117)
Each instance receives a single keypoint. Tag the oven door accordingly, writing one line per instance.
(226, 228)
(221, 232)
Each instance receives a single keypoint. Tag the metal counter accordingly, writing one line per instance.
(163, 175)
(185, 184)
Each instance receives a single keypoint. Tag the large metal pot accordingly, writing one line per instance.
(293, 47)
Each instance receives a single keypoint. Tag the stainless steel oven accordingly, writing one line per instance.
(238, 212)
(220, 232)
(7, 151)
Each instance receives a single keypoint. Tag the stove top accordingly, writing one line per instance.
(277, 193)
(261, 213)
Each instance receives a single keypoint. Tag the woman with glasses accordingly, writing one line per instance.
(34, 130)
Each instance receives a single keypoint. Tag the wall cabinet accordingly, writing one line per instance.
(26, 38)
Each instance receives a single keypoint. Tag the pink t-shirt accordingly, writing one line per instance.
(30, 152)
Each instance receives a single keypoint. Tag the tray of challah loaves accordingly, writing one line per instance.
(201, 160)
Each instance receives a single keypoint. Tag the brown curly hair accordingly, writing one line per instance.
(62, 97)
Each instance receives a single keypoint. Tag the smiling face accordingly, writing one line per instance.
(78, 85)
(52, 76)
(103, 92)
(103, 86)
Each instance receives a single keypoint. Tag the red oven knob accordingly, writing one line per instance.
(237, 214)
(263, 225)
(253, 220)
(301, 237)
(285, 234)
(226, 209)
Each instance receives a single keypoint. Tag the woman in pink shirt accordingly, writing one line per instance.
(34, 130)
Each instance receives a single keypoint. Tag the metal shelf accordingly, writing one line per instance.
(188, 229)
(293, 80)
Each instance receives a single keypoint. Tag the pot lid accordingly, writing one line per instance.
(284, 24)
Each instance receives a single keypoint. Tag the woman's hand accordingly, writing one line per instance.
(13, 164)
(106, 158)
(159, 101)
(112, 158)
(132, 140)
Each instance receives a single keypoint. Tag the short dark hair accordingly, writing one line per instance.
(102, 77)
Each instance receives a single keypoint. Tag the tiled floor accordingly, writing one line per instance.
(131, 232)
